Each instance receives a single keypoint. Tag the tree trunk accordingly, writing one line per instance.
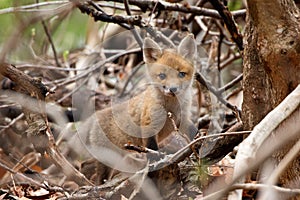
(271, 63)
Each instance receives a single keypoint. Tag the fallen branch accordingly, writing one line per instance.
(274, 176)
(12, 123)
(32, 181)
(187, 150)
(39, 129)
(166, 6)
(257, 186)
(142, 149)
(248, 157)
(249, 147)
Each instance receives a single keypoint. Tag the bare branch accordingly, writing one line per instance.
(187, 150)
(39, 130)
(124, 21)
(249, 147)
(231, 83)
(248, 158)
(202, 80)
(230, 24)
(249, 186)
(12, 123)
(51, 43)
(30, 8)
(272, 180)
(163, 5)
(12, 41)
(30, 180)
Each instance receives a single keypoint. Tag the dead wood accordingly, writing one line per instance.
(39, 130)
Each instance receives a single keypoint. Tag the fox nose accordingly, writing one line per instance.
(173, 89)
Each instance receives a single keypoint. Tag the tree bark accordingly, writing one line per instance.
(271, 63)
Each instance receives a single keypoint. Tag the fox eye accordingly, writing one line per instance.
(162, 76)
(181, 74)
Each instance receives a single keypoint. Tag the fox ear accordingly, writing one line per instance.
(151, 51)
(187, 47)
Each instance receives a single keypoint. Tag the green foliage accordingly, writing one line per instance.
(66, 54)
(199, 174)
(70, 34)
(5, 4)
(6, 20)
(235, 4)
(68, 31)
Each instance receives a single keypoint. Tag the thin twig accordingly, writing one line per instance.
(124, 21)
(127, 22)
(204, 27)
(117, 7)
(234, 56)
(12, 123)
(12, 41)
(142, 149)
(233, 92)
(230, 23)
(95, 67)
(74, 90)
(36, 117)
(163, 5)
(27, 8)
(221, 37)
(133, 30)
(200, 78)
(49, 67)
(257, 186)
(30, 180)
(96, 6)
(50, 41)
(230, 84)
(187, 150)
(192, 16)
(134, 71)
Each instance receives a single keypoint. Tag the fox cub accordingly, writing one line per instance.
(143, 119)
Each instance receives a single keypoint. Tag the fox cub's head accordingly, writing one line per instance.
(170, 70)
